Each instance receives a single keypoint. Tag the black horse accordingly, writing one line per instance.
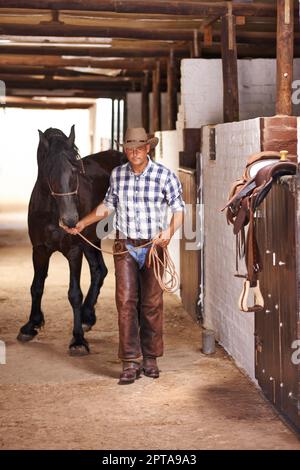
(67, 188)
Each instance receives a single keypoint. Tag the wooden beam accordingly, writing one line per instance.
(285, 55)
(229, 65)
(141, 6)
(136, 51)
(48, 84)
(21, 102)
(61, 72)
(82, 79)
(172, 92)
(94, 31)
(56, 61)
(76, 31)
(196, 44)
(156, 103)
(145, 101)
(74, 93)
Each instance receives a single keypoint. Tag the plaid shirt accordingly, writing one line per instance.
(141, 201)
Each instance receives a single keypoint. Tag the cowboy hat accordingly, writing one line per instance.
(137, 137)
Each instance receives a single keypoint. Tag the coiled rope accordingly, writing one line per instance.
(164, 270)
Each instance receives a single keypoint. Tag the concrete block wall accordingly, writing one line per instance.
(234, 329)
(167, 153)
(202, 90)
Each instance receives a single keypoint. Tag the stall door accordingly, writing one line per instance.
(277, 329)
(189, 258)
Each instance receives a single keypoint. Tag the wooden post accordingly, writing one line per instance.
(145, 101)
(172, 92)
(285, 54)
(229, 63)
(156, 106)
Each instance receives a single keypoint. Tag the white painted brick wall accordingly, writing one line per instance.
(202, 89)
(201, 92)
(234, 329)
(167, 153)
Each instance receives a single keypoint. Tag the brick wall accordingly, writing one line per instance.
(234, 329)
(167, 154)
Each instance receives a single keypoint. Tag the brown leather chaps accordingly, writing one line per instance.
(139, 301)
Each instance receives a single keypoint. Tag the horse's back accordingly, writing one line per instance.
(103, 162)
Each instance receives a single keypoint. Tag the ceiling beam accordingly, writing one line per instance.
(57, 29)
(59, 93)
(116, 32)
(63, 72)
(93, 52)
(82, 79)
(147, 7)
(60, 103)
(56, 61)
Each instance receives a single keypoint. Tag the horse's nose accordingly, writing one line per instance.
(70, 221)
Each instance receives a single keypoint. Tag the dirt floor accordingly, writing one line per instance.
(50, 400)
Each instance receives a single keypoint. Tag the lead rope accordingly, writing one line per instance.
(162, 268)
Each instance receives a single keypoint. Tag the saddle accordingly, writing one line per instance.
(245, 196)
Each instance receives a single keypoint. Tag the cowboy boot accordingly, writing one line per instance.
(150, 367)
(131, 371)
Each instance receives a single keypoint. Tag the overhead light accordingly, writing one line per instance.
(5, 41)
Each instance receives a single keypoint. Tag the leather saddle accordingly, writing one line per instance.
(245, 196)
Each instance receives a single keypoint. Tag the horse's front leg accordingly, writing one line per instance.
(98, 273)
(78, 346)
(40, 258)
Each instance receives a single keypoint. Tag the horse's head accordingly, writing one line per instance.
(59, 166)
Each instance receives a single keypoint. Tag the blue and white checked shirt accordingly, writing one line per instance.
(141, 201)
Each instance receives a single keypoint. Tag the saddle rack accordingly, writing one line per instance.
(245, 196)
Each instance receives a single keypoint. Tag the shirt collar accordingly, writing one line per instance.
(146, 169)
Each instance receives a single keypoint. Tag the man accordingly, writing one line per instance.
(140, 193)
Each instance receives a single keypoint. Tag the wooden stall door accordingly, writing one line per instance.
(277, 326)
(189, 259)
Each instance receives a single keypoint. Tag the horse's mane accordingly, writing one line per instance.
(52, 132)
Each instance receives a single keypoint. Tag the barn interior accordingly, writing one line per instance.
(215, 81)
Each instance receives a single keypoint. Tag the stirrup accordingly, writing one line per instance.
(257, 297)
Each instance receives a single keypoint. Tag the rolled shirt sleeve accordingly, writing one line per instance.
(173, 193)
(111, 199)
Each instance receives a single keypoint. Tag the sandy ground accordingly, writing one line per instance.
(50, 400)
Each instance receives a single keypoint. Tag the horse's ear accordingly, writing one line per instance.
(71, 138)
(43, 141)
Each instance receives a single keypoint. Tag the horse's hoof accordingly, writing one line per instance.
(77, 351)
(24, 338)
(86, 327)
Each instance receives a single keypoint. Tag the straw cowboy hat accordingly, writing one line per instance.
(137, 137)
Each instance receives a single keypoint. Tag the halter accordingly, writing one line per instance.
(64, 194)
(72, 193)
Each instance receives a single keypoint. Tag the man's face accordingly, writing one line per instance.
(138, 156)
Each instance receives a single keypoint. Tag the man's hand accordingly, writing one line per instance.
(163, 238)
(74, 231)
